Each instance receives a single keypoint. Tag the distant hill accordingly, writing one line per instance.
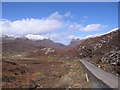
(13, 44)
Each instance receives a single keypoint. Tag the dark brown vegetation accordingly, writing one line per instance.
(43, 74)
(102, 51)
(45, 64)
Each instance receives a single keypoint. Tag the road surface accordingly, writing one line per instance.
(108, 78)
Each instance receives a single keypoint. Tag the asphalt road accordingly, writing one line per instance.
(110, 79)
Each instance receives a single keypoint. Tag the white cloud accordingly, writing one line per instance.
(73, 37)
(75, 26)
(44, 28)
(55, 15)
(88, 28)
(63, 37)
(57, 37)
(33, 26)
(68, 14)
(91, 27)
(52, 36)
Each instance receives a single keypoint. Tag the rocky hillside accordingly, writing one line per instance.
(102, 50)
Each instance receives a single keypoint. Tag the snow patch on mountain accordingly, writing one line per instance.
(98, 35)
(113, 30)
(35, 37)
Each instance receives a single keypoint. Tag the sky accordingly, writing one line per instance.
(59, 21)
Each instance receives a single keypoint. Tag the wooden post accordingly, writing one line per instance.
(86, 77)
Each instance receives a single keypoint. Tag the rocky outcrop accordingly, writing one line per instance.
(102, 50)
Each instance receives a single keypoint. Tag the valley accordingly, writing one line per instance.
(46, 73)
(45, 64)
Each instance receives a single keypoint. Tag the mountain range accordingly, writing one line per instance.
(102, 50)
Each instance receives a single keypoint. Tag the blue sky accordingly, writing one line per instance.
(59, 21)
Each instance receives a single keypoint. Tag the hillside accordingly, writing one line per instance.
(20, 45)
(102, 51)
(35, 63)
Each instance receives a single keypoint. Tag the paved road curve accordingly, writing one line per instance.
(108, 78)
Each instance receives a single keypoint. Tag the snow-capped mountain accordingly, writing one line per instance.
(28, 43)
(36, 37)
